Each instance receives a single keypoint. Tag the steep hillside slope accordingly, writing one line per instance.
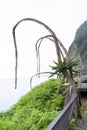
(35, 110)
(78, 48)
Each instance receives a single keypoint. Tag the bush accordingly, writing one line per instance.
(35, 110)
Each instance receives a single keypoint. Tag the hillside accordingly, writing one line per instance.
(78, 48)
(35, 110)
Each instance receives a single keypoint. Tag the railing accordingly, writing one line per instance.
(61, 122)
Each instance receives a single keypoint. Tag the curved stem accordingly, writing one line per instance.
(15, 44)
(36, 75)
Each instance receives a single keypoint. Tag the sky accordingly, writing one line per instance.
(62, 16)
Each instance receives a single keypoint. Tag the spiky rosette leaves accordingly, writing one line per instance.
(61, 67)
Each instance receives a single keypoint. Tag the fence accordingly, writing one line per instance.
(61, 122)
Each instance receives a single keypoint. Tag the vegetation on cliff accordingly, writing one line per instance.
(78, 48)
(35, 110)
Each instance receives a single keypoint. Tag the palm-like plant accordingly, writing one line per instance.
(64, 65)
(52, 36)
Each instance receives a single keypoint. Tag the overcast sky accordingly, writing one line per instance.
(62, 16)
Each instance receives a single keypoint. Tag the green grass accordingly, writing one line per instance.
(72, 125)
(35, 110)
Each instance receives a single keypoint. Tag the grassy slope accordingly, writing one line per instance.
(35, 110)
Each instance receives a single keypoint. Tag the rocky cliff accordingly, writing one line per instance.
(78, 48)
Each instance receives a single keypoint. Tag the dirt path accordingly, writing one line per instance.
(83, 123)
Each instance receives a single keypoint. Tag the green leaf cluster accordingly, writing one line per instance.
(61, 66)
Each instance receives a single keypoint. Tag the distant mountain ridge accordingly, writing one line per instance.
(78, 48)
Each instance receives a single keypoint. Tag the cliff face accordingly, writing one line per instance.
(78, 48)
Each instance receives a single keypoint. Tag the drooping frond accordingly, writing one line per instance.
(61, 50)
(15, 43)
(39, 42)
(37, 75)
(16, 57)
(64, 49)
(37, 47)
